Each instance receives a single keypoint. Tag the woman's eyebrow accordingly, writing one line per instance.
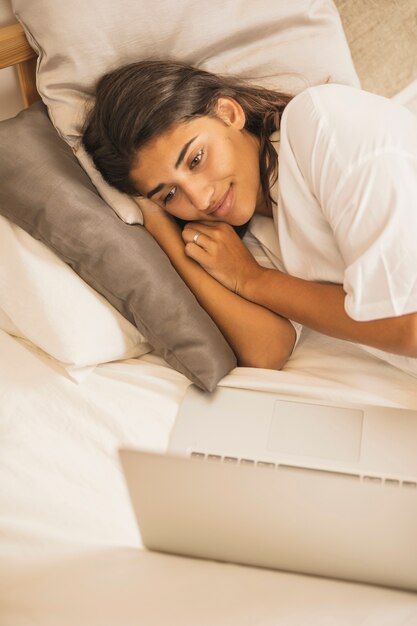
(155, 190)
(180, 159)
(183, 152)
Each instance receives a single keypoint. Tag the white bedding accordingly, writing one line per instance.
(70, 552)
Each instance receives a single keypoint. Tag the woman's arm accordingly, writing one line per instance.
(321, 307)
(259, 337)
(316, 305)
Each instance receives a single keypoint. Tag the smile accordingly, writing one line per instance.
(224, 205)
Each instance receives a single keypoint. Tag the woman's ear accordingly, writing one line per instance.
(231, 112)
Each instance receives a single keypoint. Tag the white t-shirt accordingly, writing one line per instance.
(347, 199)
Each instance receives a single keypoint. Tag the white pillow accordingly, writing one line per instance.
(281, 44)
(44, 301)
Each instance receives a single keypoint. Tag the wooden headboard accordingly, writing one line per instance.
(15, 50)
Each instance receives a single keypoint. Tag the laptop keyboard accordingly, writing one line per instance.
(232, 460)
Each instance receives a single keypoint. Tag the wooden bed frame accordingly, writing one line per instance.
(15, 50)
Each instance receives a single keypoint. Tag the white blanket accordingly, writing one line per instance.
(70, 552)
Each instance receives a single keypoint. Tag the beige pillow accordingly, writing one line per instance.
(287, 45)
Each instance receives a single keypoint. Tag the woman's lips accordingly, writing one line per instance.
(226, 204)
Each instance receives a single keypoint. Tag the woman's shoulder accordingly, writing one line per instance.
(321, 103)
(333, 100)
(348, 115)
(336, 92)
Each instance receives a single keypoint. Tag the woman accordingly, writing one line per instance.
(200, 146)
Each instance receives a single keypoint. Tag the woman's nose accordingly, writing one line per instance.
(199, 193)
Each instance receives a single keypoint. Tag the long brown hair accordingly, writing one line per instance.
(139, 101)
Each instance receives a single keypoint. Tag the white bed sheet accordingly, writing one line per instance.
(70, 552)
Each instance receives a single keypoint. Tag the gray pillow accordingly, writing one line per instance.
(46, 192)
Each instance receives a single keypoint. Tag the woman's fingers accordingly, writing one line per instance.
(193, 235)
(196, 236)
(208, 228)
(197, 253)
(218, 249)
(195, 242)
(211, 230)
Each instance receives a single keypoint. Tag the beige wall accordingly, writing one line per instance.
(382, 36)
(10, 100)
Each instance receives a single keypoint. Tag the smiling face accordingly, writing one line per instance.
(203, 169)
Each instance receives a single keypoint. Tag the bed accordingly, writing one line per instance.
(70, 551)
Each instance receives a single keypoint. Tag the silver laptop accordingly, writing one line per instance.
(265, 480)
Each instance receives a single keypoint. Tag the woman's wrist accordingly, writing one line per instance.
(255, 283)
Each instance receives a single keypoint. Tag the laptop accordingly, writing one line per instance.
(261, 479)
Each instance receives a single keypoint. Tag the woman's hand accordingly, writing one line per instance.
(258, 337)
(219, 250)
(153, 214)
(161, 225)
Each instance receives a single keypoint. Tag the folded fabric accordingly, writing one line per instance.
(46, 192)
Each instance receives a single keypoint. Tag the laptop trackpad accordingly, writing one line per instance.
(315, 430)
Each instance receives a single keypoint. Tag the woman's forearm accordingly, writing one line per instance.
(259, 337)
(321, 307)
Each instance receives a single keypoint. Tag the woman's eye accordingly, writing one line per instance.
(196, 160)
(170, 195)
